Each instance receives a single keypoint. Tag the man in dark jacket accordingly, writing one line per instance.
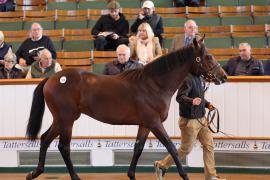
(148, 15)
(244, 64)
(122, 63)
(183, 3)
(193, 125)
(112, 29)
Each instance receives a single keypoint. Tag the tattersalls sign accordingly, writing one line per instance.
(86, 144)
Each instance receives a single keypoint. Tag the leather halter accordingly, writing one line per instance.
(211, 74)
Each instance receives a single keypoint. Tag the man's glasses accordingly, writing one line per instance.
(9, 61)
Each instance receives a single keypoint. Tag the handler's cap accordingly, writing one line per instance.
(113, 5)
(148, 4)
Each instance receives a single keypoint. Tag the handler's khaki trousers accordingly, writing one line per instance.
(191, 130)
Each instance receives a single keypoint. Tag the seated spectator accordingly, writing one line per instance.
(144, 46)
(27, 52)
(149, 15)
(122, 63)
(44, 67)
(266, 67)
(181, 40)
(7, 5)
(112, 29)
(4, 48)
(9, 71)
(244, 64)
(183, 3)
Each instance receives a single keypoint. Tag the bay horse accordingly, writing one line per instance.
(135, 97)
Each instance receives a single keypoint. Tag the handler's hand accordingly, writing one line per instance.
(211, 107)
(196, 101)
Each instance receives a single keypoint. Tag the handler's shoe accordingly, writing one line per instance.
(160, 172)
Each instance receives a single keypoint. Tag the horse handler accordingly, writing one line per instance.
(193, 125)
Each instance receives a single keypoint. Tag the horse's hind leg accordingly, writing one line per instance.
(163, 137)
(46, 140)
(138, 148)
(64, 148)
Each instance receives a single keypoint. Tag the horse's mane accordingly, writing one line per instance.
(161, 65)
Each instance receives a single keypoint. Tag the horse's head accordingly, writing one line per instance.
(206, 65)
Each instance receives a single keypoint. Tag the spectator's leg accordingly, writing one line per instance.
(111, 45)
(122, 40)
(2, 7)
(194, 3)
(179, 3)
(100, 43)
(10, 6)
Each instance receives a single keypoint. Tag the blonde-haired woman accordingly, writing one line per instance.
(144, 47)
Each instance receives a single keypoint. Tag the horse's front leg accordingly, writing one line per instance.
(159, 131)
(138, 148)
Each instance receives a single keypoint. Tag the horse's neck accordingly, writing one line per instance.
(169, 82)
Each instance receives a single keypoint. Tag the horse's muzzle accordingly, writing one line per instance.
(221, 80)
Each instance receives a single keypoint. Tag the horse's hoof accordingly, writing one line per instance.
(185, 177)
(29, 176)
(76, 178)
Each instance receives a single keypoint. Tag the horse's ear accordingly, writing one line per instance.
(195, 42)
(201, 40)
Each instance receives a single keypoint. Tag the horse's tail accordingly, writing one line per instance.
(37, 111)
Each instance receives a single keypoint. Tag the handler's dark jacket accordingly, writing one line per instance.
(193, 86)
(107, 23)
(252, 67)
(114, 67)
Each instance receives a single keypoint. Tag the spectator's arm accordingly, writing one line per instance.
(19, 53)
(28, 75)
(226, 67)
(125, 31)
(261, 73)
(51, 48)
(159, 29)
(135, 25)
(97, 28)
